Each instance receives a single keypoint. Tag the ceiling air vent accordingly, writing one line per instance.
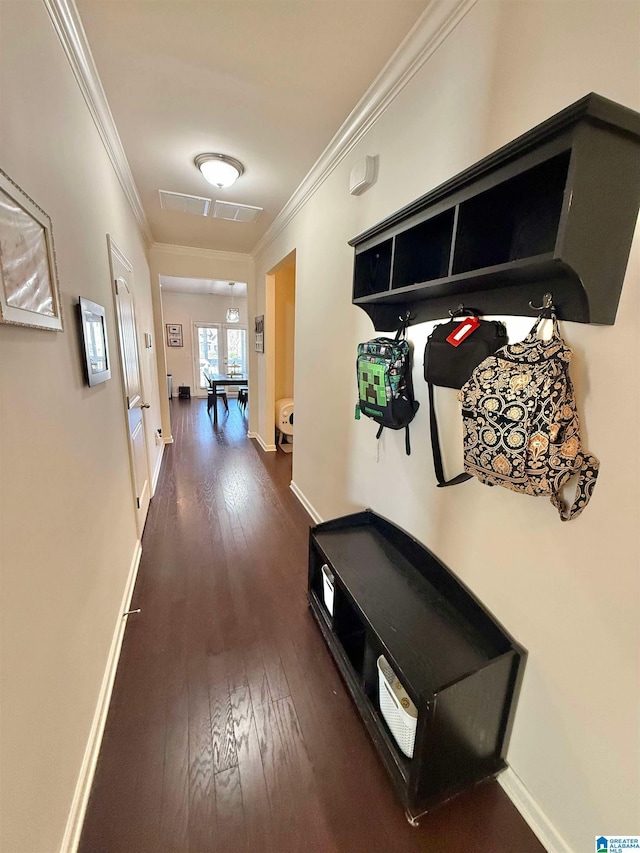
(236, 212)
(184, 203)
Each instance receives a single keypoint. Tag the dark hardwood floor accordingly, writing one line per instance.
(229, 727)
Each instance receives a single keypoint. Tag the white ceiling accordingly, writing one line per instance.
(176, 284)
(266, 81)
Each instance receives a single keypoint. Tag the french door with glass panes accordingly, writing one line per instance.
(218, 348)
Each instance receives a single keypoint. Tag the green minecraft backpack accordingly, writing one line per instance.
(385, 386)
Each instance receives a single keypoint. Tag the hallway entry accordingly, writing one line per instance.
(229, 729)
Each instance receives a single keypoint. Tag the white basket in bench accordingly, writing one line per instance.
(327, 588)
(399, 712)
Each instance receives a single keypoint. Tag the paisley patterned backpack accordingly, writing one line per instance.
(521, 426)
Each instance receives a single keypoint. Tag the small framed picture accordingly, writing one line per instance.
(260, 333)
(174, 334)
(29, 292)
(94, 340)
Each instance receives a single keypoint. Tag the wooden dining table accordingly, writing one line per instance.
(221, 379)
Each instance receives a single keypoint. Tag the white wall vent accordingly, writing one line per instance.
(184, 203)
(236, 212)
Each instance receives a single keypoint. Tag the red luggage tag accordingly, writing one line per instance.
(461, 333)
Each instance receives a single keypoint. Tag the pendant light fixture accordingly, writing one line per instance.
(233, 314)
(218, 169)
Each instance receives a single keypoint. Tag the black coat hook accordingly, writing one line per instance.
(547, 302)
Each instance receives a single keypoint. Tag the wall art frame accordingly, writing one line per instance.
(260, 333)
(93, 325)
(29, 288)
(174, 335)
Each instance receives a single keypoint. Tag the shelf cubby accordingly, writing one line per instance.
(423, 252)
(373, 270)
(514, 220)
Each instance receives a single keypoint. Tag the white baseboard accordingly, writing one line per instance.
(538, 822)
(268, 448)
(156, 473)
(315, 515)
(71, 838)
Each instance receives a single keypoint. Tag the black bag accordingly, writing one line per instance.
(450, 366)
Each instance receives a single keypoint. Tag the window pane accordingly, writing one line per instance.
(208, 353)
(237, 350)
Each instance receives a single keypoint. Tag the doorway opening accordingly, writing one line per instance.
(204, 343)
(281, 303)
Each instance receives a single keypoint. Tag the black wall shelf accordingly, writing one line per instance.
(393, 597)
(554, 210)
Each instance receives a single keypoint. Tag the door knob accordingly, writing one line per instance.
(145, 406)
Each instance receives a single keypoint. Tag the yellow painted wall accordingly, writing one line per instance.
(285, 310)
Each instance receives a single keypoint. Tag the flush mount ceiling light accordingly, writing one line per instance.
(233, 314)
(218, 169)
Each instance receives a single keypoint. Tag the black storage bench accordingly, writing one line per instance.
(392, 597)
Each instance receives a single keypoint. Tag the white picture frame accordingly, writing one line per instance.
(29, 288)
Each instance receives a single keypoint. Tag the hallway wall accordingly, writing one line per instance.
(67, 525)
(568, 592)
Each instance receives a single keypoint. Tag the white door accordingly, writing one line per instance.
(132, 382)
(218, 349)
(206, 354)
(235, 349)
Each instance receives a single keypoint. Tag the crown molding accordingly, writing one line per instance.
(68, 26)
(438, 20)
(195, 252)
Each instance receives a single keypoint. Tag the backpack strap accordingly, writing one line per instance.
(588, 474)
(407, 440)
(545, 314)
(402, 328)
(435, 447)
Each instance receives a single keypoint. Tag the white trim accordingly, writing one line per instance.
(80, 800)
(268, 448)
(156, 473)
(438, 20)
(313, 512)
(68, 26)
(538, 822)
(194, 252)
(168, 439)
